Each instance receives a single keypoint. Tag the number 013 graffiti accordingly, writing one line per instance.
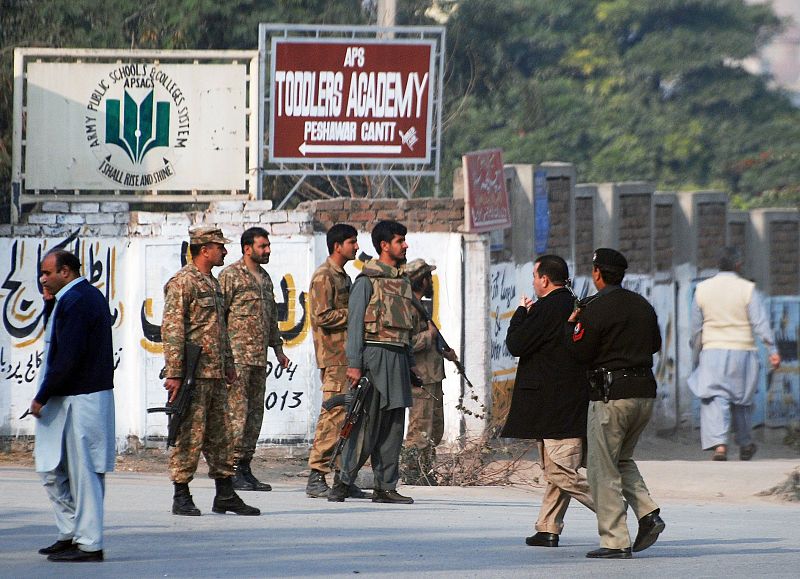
(286, 403)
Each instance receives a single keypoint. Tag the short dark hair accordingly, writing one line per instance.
(553, 267)
(66, 259)
(610, 276)
(249, 235)
(339, 233)
(194, 249)
(385, 231)
(730, 258)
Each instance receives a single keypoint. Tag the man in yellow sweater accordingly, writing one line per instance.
(726, 315)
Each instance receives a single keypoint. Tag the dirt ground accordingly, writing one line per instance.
(289, 463)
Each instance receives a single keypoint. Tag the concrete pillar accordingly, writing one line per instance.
(665, 222)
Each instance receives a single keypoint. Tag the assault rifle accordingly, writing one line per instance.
(441, 343)
(178, 409)
(354, 400)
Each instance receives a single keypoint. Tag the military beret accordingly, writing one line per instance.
(609, 258)
(416, 268)
(206, 234)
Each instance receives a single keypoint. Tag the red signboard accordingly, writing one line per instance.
(351, 100)
(485, 198)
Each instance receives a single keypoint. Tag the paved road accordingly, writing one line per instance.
(449, 532)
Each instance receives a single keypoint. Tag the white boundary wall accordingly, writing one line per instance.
(132, 271)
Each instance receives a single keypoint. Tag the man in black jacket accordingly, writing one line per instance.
(551, 394)
(616, 334)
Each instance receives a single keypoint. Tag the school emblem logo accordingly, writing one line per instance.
(136, 125)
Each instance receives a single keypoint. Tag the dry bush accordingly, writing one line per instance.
(789, 490)
(483, 461)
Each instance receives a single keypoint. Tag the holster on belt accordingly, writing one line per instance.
(600, 381)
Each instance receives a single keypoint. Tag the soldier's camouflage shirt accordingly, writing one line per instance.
(252, 313)
(430, 363)
(194, 312)
(328, 296)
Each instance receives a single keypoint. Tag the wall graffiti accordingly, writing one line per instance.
(22, 333)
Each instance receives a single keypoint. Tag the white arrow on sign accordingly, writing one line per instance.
(351, 149)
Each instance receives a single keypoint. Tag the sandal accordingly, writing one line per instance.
(720, 453)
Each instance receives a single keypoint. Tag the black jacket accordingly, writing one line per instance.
(617, 330)
(551, 392)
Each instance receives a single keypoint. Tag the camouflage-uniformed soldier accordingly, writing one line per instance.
(252, 317)
(426, 417)
(193, 312)
(328, 297)
(380, 324)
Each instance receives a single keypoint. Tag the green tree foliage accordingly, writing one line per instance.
(625, 89)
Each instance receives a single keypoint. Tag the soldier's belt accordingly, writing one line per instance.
(400, 348)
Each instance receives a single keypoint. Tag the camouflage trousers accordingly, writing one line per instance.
(204, 430)
(425, 417)
(246, 410)
(329, 423)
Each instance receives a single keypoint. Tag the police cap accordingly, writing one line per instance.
(607, 258)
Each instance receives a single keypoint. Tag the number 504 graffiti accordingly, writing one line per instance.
(286, 401)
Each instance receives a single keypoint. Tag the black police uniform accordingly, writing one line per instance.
(616, 335)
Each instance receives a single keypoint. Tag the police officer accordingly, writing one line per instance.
(194, 312)
(616, 334)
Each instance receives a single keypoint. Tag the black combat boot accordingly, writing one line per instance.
(182, 503)
(339, 492)
(240, 482)
(317, 487)
(355, 492)
(227, 500)
(249, 477)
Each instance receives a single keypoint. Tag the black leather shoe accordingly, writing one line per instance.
(75, 555)
(650, 526)
(57, 547)
(542, 540)
(604, 553)
(357, 493)
(392, 496)
(747, 452)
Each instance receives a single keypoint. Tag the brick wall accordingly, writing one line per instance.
(737, 235)
(663, 242)
(558, 202)
(634, 231)
(710, 233)
(784, 237)
(426, 214)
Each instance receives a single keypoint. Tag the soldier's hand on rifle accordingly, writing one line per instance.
(575, 314)
(172, 385)
(353, 376)
(450, 355)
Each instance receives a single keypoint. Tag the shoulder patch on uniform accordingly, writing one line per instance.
(577, 333)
